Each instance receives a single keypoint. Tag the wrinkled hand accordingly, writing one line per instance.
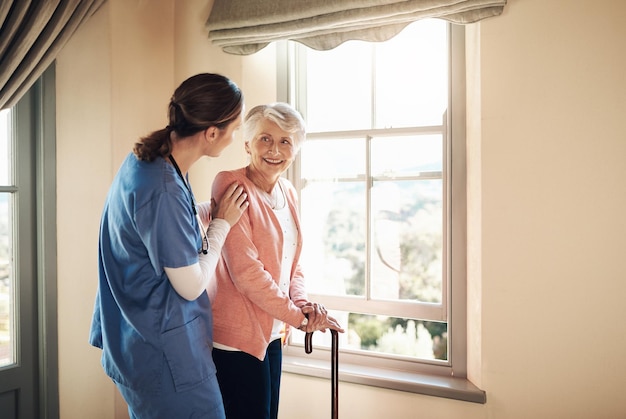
(319, 318)
(232, 205)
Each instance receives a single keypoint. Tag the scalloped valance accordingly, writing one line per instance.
(246, 26)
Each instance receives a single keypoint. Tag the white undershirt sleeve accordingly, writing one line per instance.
(191, 281)
(204, 211)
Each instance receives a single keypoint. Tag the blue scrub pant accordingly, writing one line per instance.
(250, 388)
(201, 402)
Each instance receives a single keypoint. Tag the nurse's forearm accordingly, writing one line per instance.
(191, 281)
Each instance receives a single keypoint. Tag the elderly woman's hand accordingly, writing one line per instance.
(319, 318)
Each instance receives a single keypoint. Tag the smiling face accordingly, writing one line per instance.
(271, 150)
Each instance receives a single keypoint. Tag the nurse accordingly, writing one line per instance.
(158, 250)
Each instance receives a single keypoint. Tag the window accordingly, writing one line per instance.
(382, 200)
(28, 340)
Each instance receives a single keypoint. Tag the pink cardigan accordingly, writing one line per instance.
(247, 297)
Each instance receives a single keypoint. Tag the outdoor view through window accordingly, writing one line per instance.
(6, 239)
(372, 184)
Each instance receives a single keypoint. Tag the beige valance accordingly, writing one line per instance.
(32, 32)
(246, 26)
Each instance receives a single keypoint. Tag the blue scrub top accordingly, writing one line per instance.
(139, 320)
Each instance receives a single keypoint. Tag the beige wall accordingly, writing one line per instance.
(551, 195)
(547, 165)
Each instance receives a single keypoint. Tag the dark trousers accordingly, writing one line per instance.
(250, 388)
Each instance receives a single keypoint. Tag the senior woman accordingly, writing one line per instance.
(260, 288)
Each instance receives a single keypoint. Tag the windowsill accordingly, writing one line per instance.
(430, 385)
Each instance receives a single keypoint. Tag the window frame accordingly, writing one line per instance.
(34, 139)
(447, 379)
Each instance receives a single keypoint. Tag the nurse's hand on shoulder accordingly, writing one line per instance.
(233, 203)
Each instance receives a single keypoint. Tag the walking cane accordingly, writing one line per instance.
(334, 370)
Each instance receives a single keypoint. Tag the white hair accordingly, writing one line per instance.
(282, 114)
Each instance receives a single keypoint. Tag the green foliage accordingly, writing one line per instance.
(368, 327)
(345, 239)
(372, 330)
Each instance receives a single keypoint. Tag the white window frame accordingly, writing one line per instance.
(444, 379)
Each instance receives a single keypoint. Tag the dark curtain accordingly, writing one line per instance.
(32, 32)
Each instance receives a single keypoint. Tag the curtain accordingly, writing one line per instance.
(246, 26)
(32, 32)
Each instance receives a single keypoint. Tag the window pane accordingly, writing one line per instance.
(410, 155)
(409, 81)
(334, 227)
(340, 81)
(407, 248)
(332, 159)
(387, 336)
(412, 76)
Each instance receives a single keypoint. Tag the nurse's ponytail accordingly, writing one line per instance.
(200, 102)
